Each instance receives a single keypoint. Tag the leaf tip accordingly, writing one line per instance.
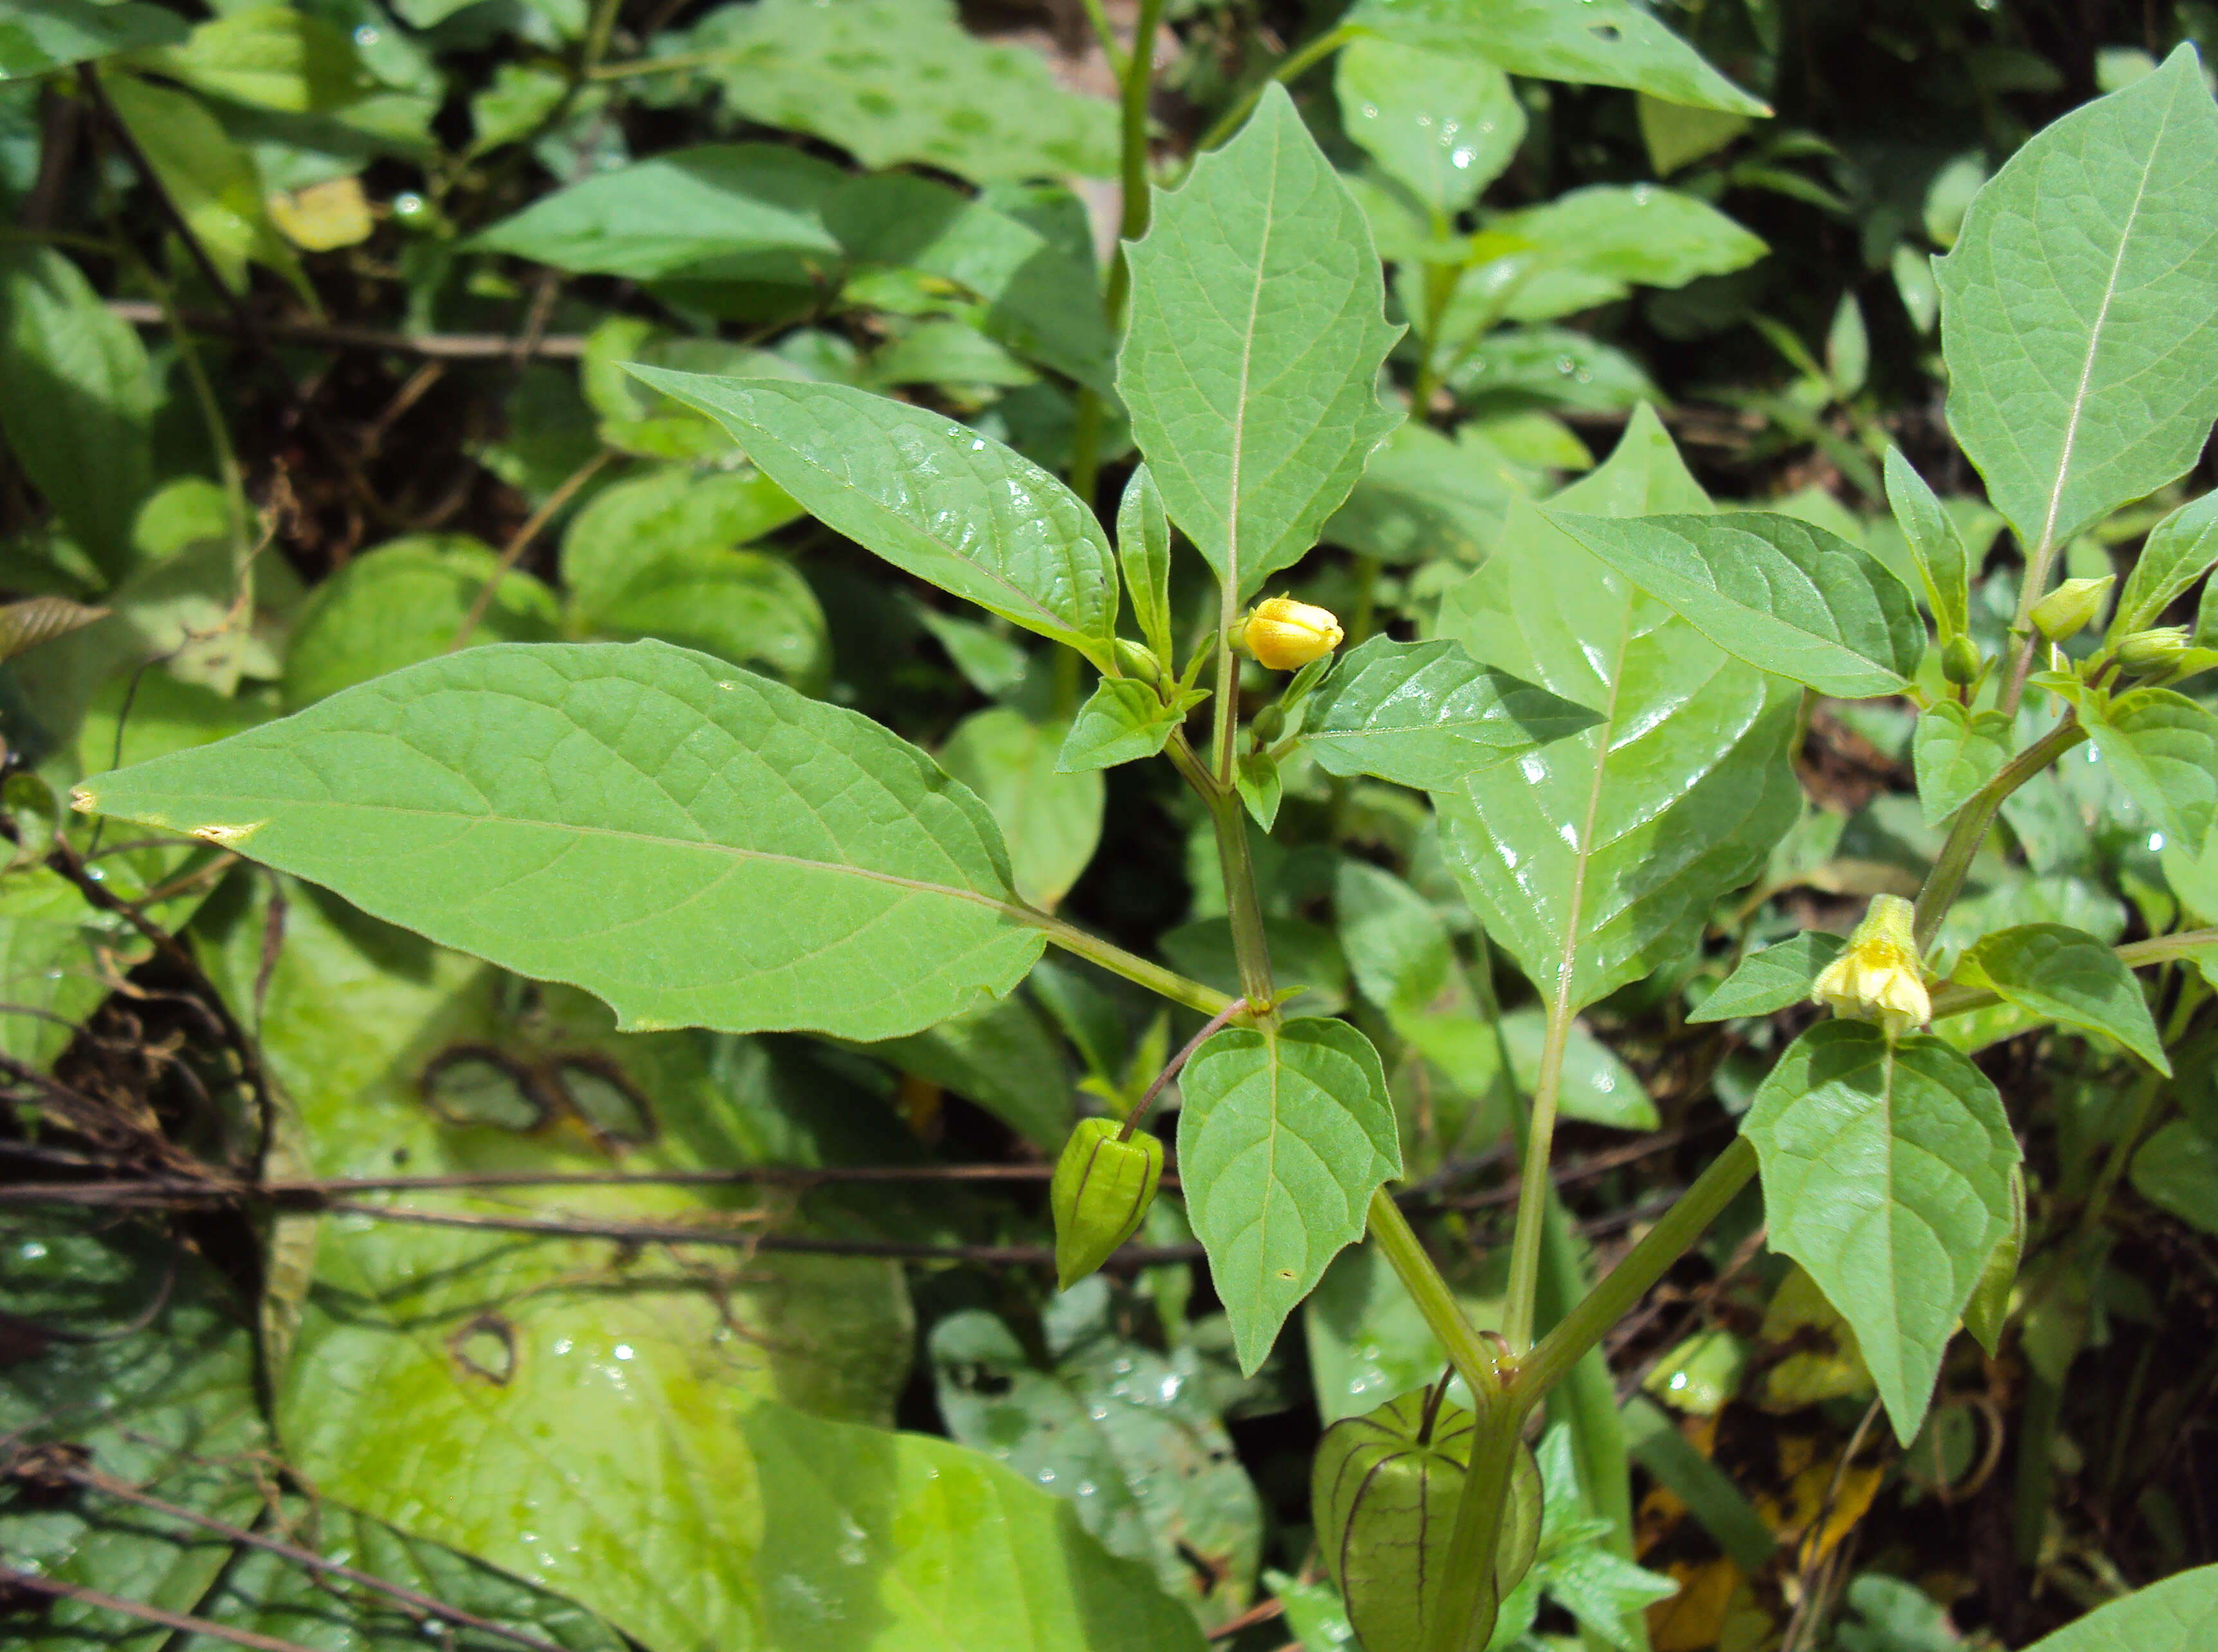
(82, 800)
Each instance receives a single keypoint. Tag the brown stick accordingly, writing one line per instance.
(30, 1581)
(92, 1480)
(434, 346)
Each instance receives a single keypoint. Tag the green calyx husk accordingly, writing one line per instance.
(1383, 1493)
(1101, 1194)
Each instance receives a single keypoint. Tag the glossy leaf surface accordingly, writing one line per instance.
(1608, 43)
(1251, 360)
(932, 496)
(2163, 747)
(1282, 1137)
(1786, 596)
(1427, 715)
(1597, 857)
(1776, 979)
(1445, 125)
(695, 844)
(1887, 1174)
(2065, 976)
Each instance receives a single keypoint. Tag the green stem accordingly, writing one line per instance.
(1100, 19)
(1624, 1285)
(1229, 817)
(1165, 982)
(1467, 1351)
(1970, 831)
(1533, 1192)
(1229, 122)
(1468, 1586)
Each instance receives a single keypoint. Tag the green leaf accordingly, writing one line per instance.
(1786, 596)
(2179, 550)
(1000, 1056)
(902, 80)
(1398, 949)
(2079, 308)
(878, 1542)
(1427, 715)
(1124, 1432)
(1051, 817)
(1777, 978)
(54, 33)
(405, 601)
(2177, 1171)
(1597, 1088)
(211, 179)
(1988, 1311)
(1255, 777)
(1635, 235)
(2065, 976)
(718, 212)
(1709, 1494)
(268, 56)
(1367, 1341)
(1121, 721)
(930, 495)
(1517, 367)
(2177, 1615)
(1445, 125)
(990, 662)
(1887, 1174)
(1600, 857)
(673, 508)
(1955, 752)
(1282, 1137)
(696, 845)
(1250, 364)
(76, 399)
(742, 606)
(1944, 567)
(1676, 135)
(1143, 551)
(2163, 747)
(1603, 43)
(1426, 495)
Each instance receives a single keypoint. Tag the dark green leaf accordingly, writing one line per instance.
(2063, 974)
(1944, 567)
(51, 34)
(2177, 1171)
(1605, 43)
(1427, 715)
(1955, 752)
(2178, 551)
(1787, 597)
(930, 495)
(1775, 979)
(77, 399)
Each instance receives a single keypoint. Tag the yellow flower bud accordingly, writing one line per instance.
(1284, 636)
(1879, 978)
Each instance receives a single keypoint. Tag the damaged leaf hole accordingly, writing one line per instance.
(484, 1347)
(470, 1085)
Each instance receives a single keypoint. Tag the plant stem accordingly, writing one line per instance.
(1229, 817)
(1100, 19)
(1229, 122)
(1164, 982)
(1210, 1029)
(1615, 1295)
(1533, 1191)
(1467, 1351)
(1136, 79)
(1970, 829)
(1468, 1586)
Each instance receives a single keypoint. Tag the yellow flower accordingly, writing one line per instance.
(1879, 978)
(1284, 636)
